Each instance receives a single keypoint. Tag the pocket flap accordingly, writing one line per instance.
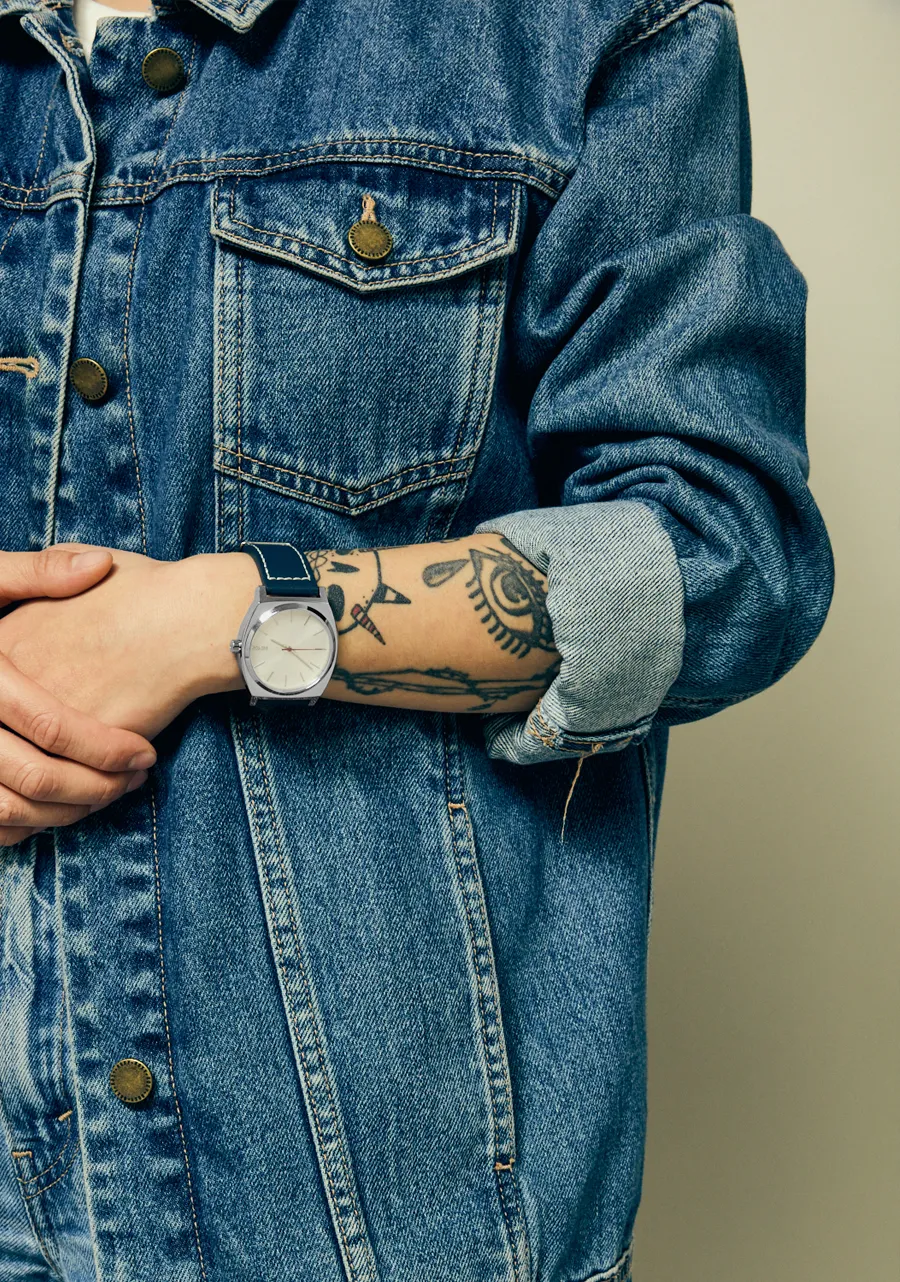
(439, 224)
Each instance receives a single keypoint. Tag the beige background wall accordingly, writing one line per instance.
(774, 1140)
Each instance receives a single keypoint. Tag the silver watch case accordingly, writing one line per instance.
(262, 608)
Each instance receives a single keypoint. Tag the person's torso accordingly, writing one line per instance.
(396, 1022)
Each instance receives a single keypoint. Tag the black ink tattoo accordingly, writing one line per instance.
(335, 594)
(369, 589)
(508, 595)
(511, 600)
(445, 682)
(441, 572)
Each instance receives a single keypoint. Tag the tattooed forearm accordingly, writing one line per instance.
(366, 590)
(445, 683)
(509, 597)
(474, 633)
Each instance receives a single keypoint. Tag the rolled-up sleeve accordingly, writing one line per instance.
(661, 337)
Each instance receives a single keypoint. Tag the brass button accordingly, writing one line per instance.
(131, 1081)
(89, 378)
(369, 238)
(163, 70)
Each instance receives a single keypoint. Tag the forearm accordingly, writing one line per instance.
(456, 626)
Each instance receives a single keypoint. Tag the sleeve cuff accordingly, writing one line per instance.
(615, 596)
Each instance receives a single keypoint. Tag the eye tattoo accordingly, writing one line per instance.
(511, 600)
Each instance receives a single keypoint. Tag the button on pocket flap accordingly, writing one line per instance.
(370, 226)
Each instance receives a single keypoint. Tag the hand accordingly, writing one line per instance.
(38, 789)
(140, 645)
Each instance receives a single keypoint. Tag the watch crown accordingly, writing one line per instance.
(235, 647)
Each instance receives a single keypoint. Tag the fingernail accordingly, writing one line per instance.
(136, 780)
(89, 560)
(141, 760)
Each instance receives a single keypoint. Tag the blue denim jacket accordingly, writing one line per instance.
(395, 1018)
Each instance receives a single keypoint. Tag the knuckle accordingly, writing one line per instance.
(106, 757)
(33, 780)
(44, 562)
(9, 812)
(46, 730)
(109, 790)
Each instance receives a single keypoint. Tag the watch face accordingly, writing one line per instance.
(290, 649)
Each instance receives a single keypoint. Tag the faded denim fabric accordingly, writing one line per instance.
(396, 1021)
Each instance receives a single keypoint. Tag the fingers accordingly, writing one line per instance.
(36, 776)
(39, 792)
(63, 570)
(18, 812)
(32, 712)
(12, 836)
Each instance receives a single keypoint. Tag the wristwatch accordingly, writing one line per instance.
(287, 644)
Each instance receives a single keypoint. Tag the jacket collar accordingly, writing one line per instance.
(240, 15)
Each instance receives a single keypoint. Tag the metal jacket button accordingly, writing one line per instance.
(131, 1081)
(89, 378)
(369, 238)
(163, 70)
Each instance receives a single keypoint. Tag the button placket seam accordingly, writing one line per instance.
(165, 1014)
(127, 318)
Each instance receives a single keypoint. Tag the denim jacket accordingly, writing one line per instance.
(393, 1013)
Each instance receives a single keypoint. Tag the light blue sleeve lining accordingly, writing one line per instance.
(616, 602)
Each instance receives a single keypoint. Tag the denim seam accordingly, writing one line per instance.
(306, 496)
(30, 24)
(654, 18)
(446, 520)
(307, 987)
(473, 372)
(620, 1271)
(464, 264)
(336, 485)
(59, 1050)
(294, 1022)
(127, 319)
(31, 1179)
(222, 167)
(352, 262)
(551, 737)
(165, 1014)
(213, 174)
(486, 988)
(238, 386)
(36, 1214)
(37, 170)
(321, 147)
(37, 1192)
(323, 1147)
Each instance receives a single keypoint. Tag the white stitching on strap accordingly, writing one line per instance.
(277, 578)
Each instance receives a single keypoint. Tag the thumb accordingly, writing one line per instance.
(55, 572)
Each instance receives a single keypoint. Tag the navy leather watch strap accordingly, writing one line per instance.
(283, 569)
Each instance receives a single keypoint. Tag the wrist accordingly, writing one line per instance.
(217, 589)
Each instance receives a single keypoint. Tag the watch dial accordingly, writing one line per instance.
(290, 649)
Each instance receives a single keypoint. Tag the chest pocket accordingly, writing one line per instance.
(348, 381)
